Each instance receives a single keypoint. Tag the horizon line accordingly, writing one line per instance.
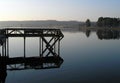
(39, 20)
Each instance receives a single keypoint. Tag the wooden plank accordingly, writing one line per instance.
(30, 32)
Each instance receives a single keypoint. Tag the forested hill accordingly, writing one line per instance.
(108, 22)
(47, 23)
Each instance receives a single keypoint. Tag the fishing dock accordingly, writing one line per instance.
(49, 48)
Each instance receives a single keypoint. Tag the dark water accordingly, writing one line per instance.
(89, 57)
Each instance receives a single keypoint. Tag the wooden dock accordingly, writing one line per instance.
(49, 50)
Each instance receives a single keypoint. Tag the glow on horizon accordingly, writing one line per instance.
(58, 9)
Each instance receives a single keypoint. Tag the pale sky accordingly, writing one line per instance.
(58, 9)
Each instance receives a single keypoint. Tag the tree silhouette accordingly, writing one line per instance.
(108, 22)
(88, 23)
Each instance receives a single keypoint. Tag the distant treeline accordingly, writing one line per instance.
(40, 23)
(101, 22)
(108, 22)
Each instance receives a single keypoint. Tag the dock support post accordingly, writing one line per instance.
(0, 51)
(8, 47)
(40, 47)
(3, 50)
(24, 48)
(5, 47)
(59, 47)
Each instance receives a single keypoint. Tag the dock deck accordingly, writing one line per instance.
(31, 32)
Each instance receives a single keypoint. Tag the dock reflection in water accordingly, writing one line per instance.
(49, 50)
(22, 63)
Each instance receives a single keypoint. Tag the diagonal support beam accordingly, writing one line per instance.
(52, 47)
(48, 46)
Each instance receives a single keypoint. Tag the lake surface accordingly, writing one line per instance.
(89, 57)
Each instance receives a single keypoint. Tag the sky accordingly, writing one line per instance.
(63, 10)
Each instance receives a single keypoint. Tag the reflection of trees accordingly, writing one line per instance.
(88, 32)
(108, 34)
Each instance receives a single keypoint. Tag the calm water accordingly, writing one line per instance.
(87, 59)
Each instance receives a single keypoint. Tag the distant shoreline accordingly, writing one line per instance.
(100, 28)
